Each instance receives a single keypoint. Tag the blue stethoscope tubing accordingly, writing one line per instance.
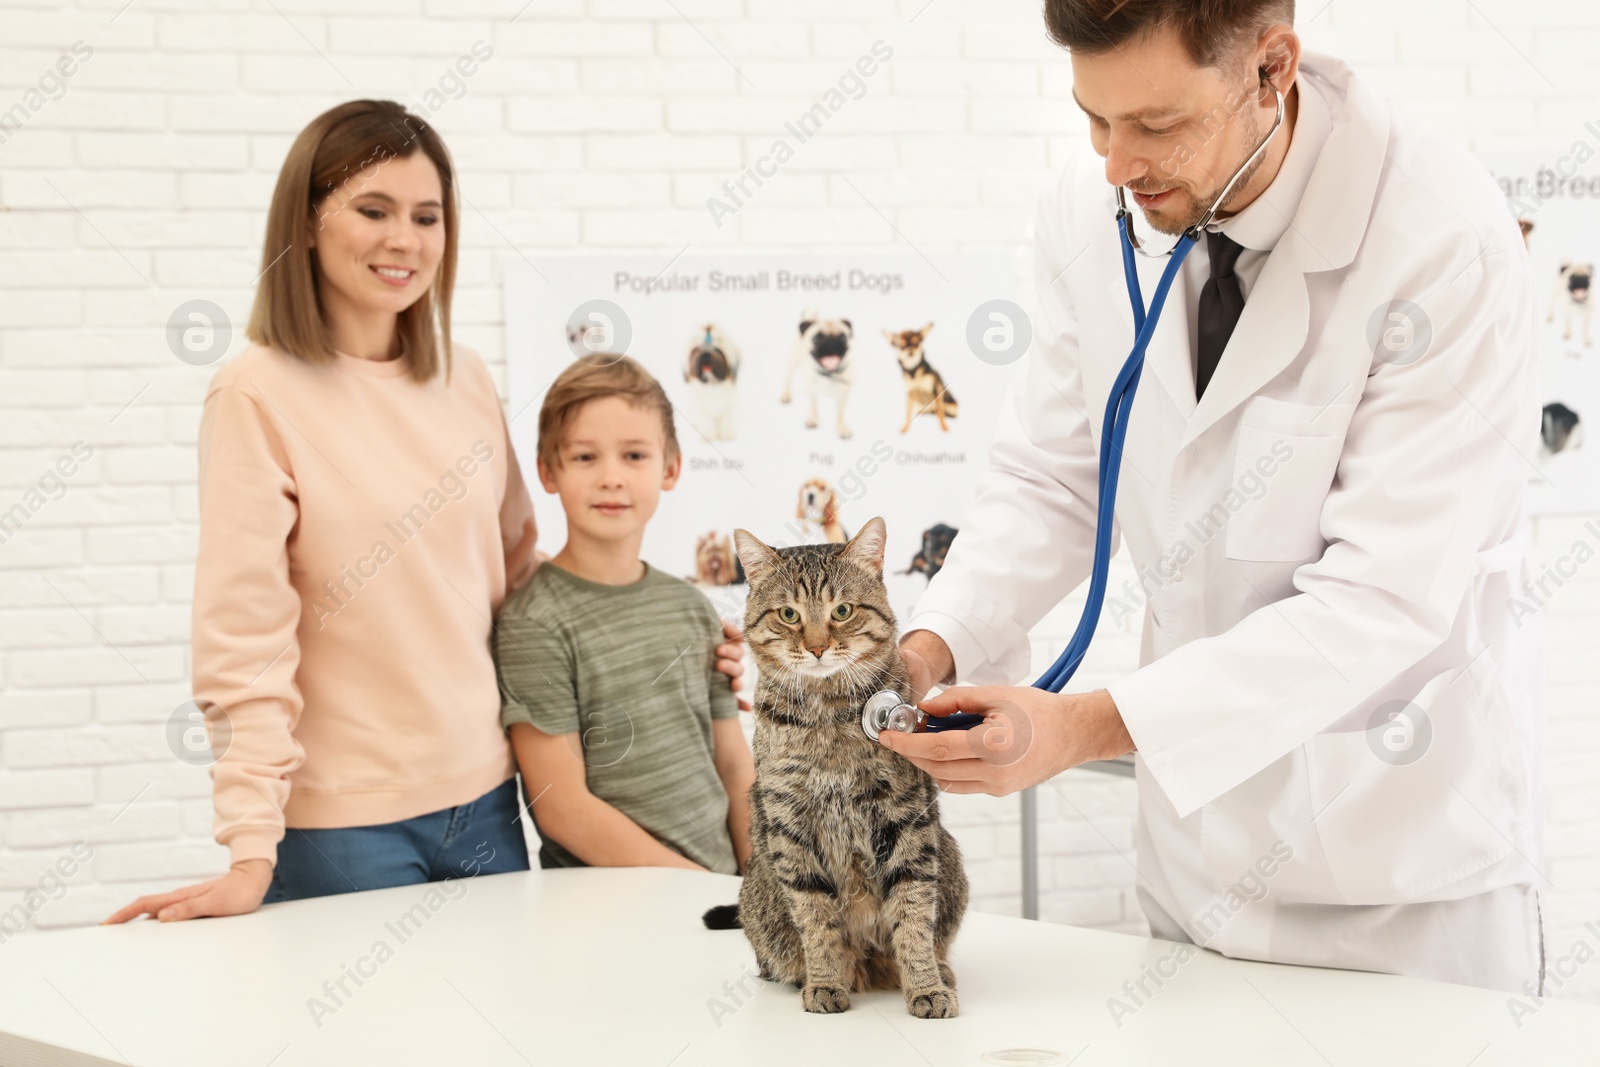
(1114, 430)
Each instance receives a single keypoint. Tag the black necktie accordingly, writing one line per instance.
(1221, 302)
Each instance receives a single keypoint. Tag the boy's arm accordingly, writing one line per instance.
(580, 822)
(738, 773)
(539, 706)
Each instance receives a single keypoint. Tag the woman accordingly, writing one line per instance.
(362, 518)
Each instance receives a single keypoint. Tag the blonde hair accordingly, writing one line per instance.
(336, 145)
(595, 377)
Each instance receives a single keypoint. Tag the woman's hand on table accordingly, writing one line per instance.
(238, 892)
(730, 659)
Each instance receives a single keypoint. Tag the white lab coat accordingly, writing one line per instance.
(1377, 565)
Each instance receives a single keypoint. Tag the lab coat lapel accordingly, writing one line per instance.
(1327, 229)
(1270, 333)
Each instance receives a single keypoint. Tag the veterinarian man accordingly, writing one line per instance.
(1322, 493)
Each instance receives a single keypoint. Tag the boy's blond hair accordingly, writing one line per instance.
(595, 377)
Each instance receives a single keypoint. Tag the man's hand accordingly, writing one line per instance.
(730, 659)
(1028, 736)
(927, 660)
(238, 892)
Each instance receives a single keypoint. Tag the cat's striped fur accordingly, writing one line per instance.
(852, 882)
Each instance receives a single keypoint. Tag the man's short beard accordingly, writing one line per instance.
(1202, 206)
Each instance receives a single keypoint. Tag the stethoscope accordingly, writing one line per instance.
(885, 710)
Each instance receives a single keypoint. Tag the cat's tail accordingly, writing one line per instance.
(722, 917)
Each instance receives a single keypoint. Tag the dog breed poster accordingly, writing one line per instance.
(810, 393)
(1556, 200)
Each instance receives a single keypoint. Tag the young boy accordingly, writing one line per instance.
(627, 735)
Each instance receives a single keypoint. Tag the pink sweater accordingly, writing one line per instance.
(358, 531)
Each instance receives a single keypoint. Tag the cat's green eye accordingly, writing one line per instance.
(842, 612)
(789, 615)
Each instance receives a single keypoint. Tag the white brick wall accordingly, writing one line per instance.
(597, 123)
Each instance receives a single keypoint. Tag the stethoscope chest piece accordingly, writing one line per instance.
(884, 710)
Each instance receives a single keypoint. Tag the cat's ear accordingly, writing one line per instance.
(865, 549)
(759, 560)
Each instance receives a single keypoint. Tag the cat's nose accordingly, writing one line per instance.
(818, 650)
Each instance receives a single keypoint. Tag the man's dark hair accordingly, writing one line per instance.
(1209, 29)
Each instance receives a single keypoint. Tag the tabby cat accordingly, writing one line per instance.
(852, 882)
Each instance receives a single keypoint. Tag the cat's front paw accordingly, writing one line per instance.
(933, 1004)
(825, 999)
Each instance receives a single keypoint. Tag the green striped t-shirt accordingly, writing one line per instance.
(632, 670)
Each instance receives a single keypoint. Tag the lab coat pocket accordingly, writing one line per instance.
(1283, 465)
(1421, 799)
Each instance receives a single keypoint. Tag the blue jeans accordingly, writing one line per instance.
(480, 837)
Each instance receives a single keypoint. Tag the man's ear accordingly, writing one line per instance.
(865, 549)
(759, 561)
(673, 472)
